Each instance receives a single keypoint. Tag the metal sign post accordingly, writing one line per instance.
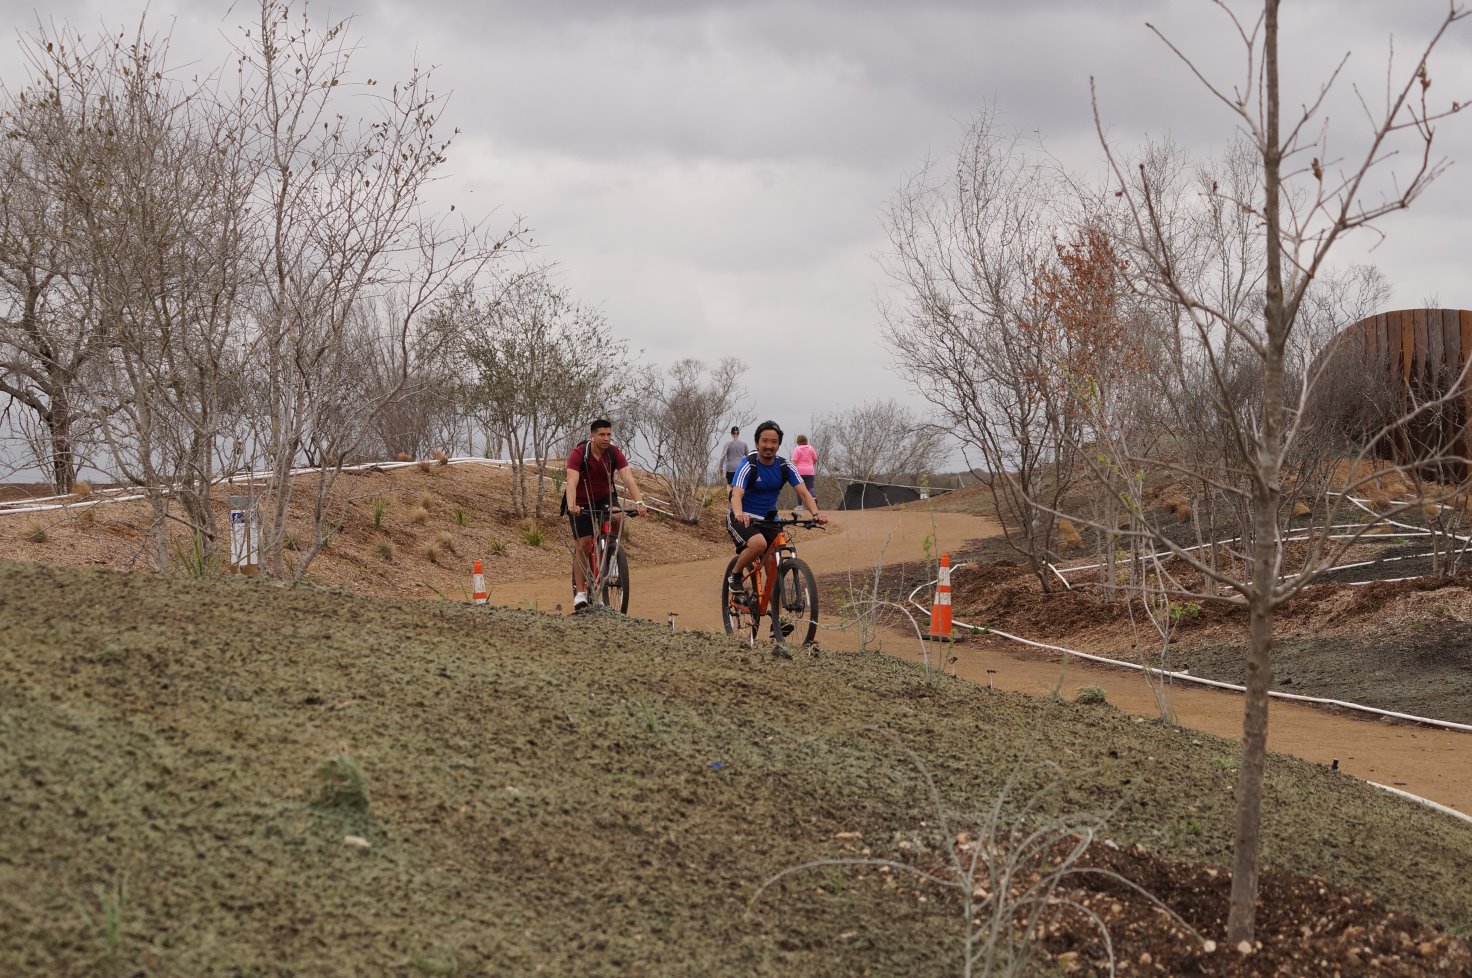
(245, 536)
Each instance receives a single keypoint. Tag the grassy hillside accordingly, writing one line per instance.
(232, 778)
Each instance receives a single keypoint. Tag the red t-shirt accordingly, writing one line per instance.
(595, 481)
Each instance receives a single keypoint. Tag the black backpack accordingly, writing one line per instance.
(751, 473)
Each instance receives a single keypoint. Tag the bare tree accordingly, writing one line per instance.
(543, 366)
(678, 416)
(970, 333)
(147, 169)
(49, 323)
(1253, 345)
(341, 211)
(879, 441)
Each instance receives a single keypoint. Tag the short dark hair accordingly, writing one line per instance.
(769, 426)
(735, 429)
(600, 423)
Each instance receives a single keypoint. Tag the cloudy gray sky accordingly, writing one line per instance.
(712, 173)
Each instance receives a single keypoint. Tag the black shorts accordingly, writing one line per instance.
(730, 477)
(583, 523)
(741, 534)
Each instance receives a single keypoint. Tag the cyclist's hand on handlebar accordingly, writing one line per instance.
(639, 508)
(745, 518)
(575, 509)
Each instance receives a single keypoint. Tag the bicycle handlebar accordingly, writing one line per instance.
(612, 510)
(793, 520)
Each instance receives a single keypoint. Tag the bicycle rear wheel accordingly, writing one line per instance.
(799, 600)
(739, 616)
(616, 583)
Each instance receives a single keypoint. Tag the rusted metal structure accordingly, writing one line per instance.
(1424, 350)
(1417, 355)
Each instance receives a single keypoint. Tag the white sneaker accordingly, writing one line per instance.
(580, 601)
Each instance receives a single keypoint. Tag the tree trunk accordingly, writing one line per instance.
(1265, 498)
(63, 458)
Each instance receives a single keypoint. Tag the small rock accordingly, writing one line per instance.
(1244, 947)
(356, 840)
(1209, 947)
(1426, 949)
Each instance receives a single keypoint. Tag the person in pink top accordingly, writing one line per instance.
(805, 461)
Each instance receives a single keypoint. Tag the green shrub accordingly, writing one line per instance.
(1184, 611)
(1091, 696)
(340, 785)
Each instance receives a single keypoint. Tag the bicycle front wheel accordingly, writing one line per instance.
(738, 614)
(799, 600)
(616, 583)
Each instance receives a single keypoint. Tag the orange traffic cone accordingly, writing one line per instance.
(478, 582)
(940, 609)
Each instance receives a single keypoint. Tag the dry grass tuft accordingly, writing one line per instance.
(36, 532)
(1182, 511)
(441, 458)
(1171, 499)
(403, 457)
(385, 550)
(82, 488)
(1377, 499)
(424, 500)
(426, 466)
(444, 541)
(418, 516)
(1431, 510)
(1301, 508)
(433, 553)
(1068, 535)
(1397, 489)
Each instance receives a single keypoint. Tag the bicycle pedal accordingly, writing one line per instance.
(788, 628)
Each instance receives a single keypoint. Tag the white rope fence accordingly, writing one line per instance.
(1186, 677)
(98, 497)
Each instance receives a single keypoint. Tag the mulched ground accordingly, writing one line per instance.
(1305, 926)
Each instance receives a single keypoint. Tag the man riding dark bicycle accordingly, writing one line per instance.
(754, 491)
(590, 497)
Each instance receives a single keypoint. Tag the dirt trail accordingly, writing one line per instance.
(1427, 762)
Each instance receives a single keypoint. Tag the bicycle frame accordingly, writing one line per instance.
(599, 561)
(768, 567)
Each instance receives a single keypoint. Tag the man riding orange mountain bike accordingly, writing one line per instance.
(591, 497)
(754, 491)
